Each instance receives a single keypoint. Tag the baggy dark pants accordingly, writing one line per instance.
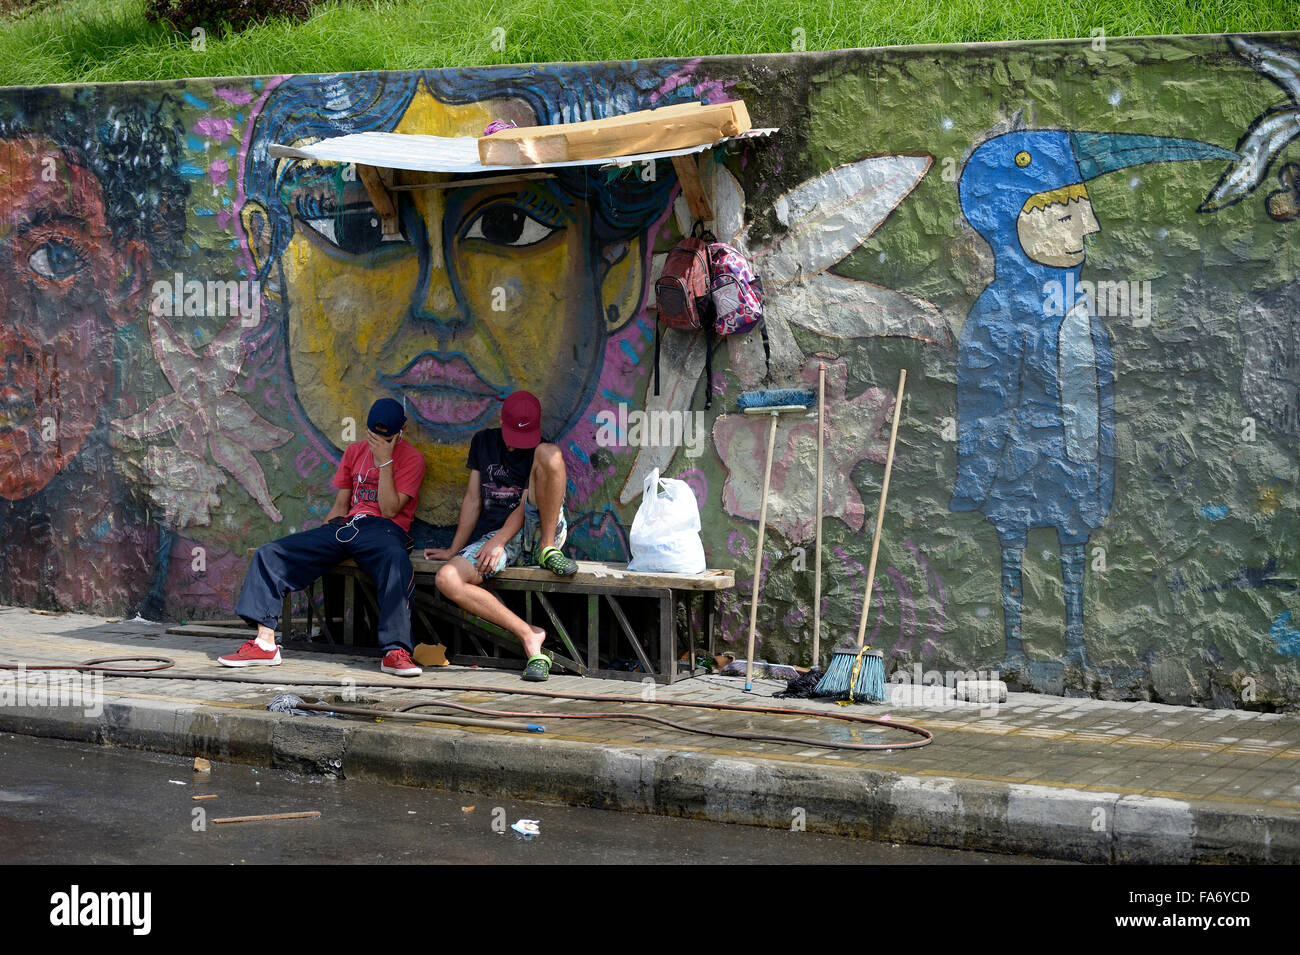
(292, 563)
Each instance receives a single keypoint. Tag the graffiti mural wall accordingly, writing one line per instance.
(1086, 255)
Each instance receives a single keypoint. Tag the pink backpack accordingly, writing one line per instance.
(737, 293)
(710, 285)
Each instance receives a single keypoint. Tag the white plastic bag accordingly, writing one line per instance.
(666, 530)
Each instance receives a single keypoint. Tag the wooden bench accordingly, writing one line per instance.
(608, 621)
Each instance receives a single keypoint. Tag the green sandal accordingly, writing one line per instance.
(553, 559)
(538, 669)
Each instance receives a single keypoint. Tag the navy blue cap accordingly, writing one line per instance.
(386, 417)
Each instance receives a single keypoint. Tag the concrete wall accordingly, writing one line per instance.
(1096, 478)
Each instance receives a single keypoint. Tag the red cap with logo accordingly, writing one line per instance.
(521, 420)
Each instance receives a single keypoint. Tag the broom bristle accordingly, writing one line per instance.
(776, 397)
(870, 684)
(839, 674)
(870, 687)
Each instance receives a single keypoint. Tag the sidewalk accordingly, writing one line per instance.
(1063, 778)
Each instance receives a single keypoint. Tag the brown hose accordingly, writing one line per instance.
(97, 666)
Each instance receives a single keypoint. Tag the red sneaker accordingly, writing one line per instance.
(251, 655)
(398, 662)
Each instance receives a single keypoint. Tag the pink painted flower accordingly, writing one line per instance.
(208, 418)
(855, 429)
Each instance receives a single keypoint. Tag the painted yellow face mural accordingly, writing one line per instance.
(489, 289)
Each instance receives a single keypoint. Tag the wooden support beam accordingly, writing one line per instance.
(646, 665)
(688, 174)
(380, 198)
(560, 629)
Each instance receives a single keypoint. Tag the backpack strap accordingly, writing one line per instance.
(658, 323)
(708, 323)
(708, 365)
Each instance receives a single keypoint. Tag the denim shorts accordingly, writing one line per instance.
(522, 548)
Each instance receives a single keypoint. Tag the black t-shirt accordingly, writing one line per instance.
(504, 476)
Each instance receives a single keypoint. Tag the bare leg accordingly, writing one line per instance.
(458, 580)
(546, 485)
(265, 637)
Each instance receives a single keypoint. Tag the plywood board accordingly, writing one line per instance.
(670, 127)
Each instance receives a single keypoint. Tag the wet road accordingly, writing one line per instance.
(73, 803)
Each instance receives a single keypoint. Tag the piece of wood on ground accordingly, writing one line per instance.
(206, 796)
(650, 130)
(312, 814)
(431, 655)
(201, 765)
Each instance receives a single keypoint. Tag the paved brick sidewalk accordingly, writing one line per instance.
(1071, 778)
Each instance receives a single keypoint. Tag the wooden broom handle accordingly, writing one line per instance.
(758, 555)
(880, 512)
(817, 568)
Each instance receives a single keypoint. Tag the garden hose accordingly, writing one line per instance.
(99, 665)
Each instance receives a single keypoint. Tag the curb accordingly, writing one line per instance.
(1047, 821)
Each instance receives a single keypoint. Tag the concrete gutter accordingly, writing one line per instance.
(1050, 821)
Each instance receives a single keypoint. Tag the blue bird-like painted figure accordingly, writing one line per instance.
(1035, 375)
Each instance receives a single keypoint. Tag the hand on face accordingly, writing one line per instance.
(381, 447)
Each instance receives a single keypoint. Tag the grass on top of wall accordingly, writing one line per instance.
(64, 41)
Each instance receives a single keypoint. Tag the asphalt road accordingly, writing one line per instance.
(68, 803)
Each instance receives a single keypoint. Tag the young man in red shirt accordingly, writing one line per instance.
(512, 512)
(378, 484)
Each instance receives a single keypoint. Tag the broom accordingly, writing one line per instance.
(774, 403)
(860, 671)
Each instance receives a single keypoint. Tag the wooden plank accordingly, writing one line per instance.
(380, 198)
(523, 133)
(593, 631)
(269, 817)
(688, 174)
(606, 573)
(670, 127)
(668, 635)
(349, 609)
(472, 181)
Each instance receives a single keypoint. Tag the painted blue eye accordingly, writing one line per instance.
(354, 231)
(352, 227)
(56, 260)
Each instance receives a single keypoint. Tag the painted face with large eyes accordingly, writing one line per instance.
(489, 289)
(62, 287)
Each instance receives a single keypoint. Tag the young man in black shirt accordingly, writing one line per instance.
(512, 512)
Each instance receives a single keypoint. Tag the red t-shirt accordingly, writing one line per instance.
(357, 472)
